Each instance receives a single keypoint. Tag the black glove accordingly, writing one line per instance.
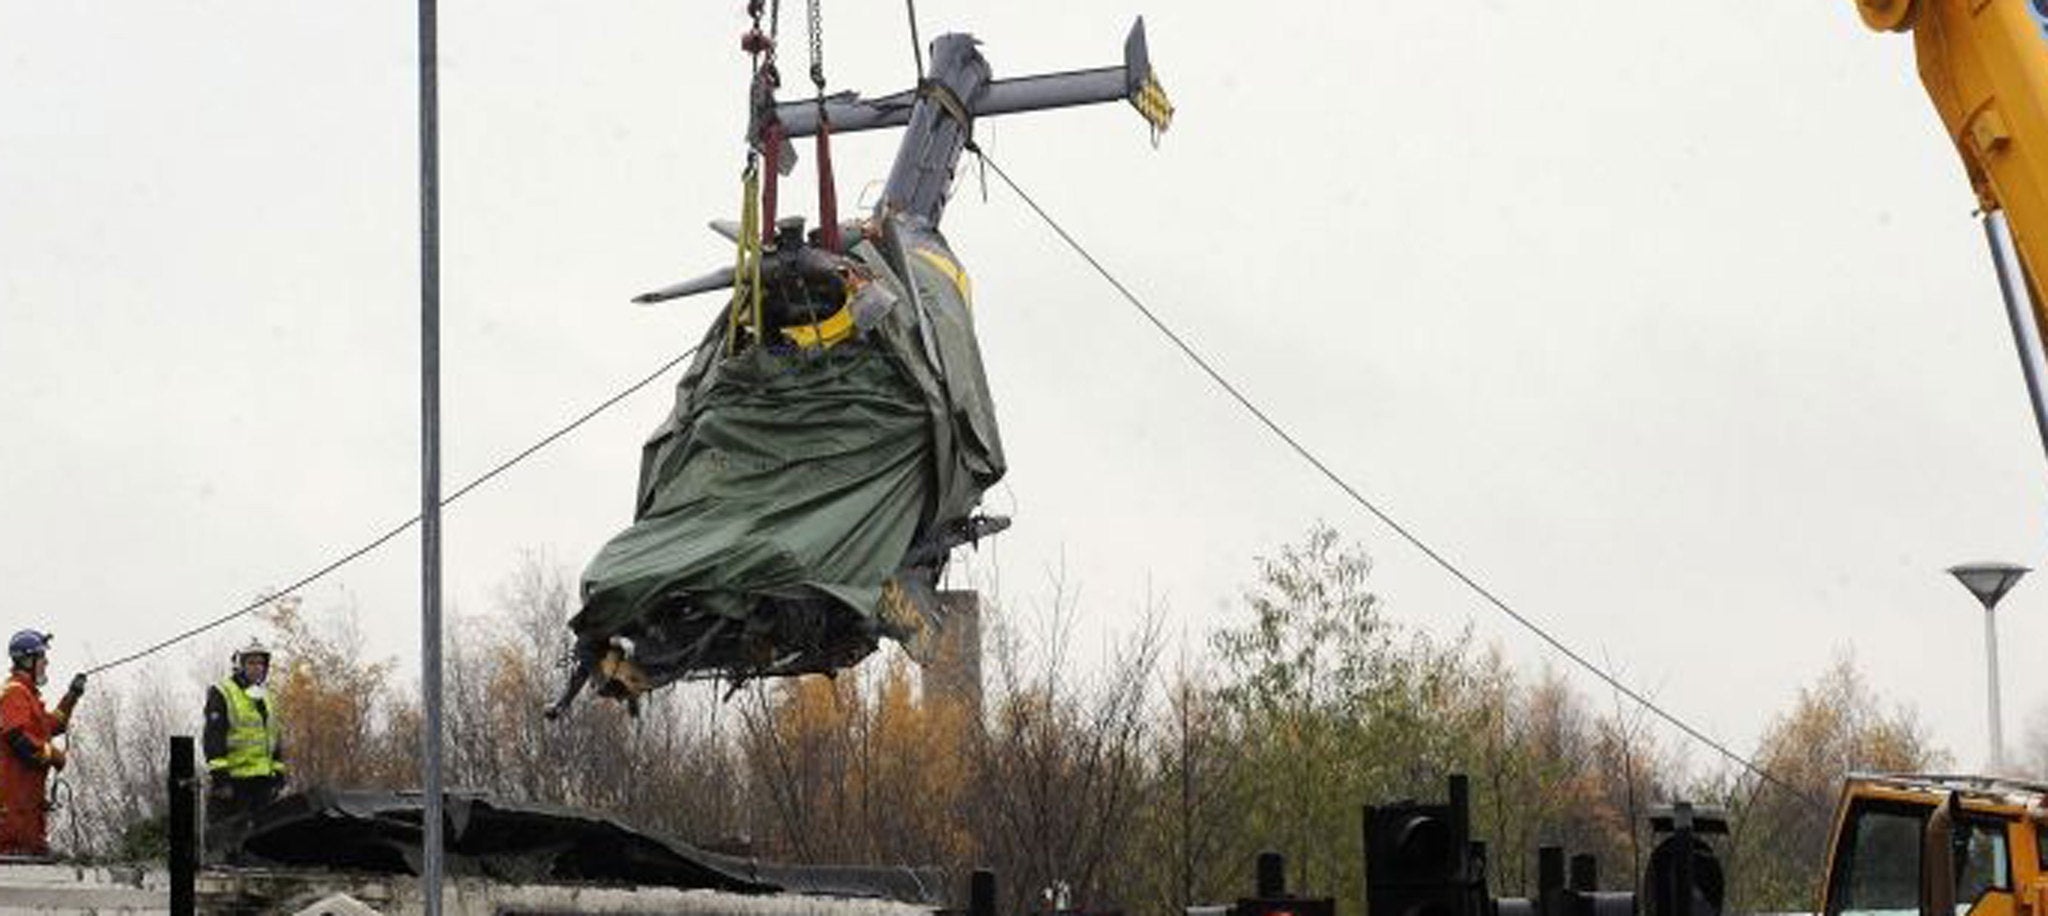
(77, 685)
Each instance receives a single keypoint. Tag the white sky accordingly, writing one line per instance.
(1676, 330)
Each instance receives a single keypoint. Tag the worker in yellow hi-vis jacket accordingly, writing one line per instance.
(243, 754)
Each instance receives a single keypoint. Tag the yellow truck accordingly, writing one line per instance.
(1939, 846)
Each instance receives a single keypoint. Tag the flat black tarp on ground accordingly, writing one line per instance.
(371, 831)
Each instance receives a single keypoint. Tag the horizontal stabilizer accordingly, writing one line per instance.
(1133, 81)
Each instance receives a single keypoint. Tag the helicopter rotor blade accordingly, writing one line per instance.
(715, 280)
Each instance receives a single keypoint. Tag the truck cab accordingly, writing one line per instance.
(1929, 845)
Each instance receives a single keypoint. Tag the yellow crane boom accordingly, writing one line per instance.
(1967, 845)
(1985, 66)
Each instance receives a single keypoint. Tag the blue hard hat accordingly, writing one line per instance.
(28, 642)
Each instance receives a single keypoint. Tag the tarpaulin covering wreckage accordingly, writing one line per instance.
(800, 499)
(379, 832)
(834, 434)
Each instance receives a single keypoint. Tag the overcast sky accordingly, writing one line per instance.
(1676, 330)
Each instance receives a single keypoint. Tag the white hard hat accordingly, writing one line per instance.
(255, 647)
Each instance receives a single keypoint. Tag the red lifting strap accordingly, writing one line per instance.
(828, 197)
(771, 146)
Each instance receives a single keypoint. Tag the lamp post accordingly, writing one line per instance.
(1989, 582)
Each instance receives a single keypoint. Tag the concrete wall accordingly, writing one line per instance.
(34, 890)
(955, 671)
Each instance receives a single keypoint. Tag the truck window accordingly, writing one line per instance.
(1878, 872)
(1984, 865)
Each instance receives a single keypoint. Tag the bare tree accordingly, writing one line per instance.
(113, 794)
(1062, 766)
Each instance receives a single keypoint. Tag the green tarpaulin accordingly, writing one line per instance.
(792, 479)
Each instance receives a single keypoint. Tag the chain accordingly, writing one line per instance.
(760, 46)
(752, 42)
(817, 17)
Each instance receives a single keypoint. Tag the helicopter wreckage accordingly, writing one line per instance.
(834, 433)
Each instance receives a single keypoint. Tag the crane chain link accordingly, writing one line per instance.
(817, 17)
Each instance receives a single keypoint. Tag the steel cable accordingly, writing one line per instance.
(402, 527)
(1399, 529)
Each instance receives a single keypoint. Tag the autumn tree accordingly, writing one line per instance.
(1781, 822)
(1337, 707)
(1192, 848)
(504, 668)
(1083, 785)
(803, 738)
(671, 770)
(916, 773)
(1548, 769)
(333, 701)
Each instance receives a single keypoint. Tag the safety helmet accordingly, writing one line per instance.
(255, 647)
(27, 644)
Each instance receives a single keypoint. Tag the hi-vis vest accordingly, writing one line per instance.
(252, 737)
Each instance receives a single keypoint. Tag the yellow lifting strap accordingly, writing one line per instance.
(746, 270)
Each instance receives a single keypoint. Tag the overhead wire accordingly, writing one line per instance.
(400, 528)
(774, 30)
(1178, 341)
(1405, 534)
(916, 49)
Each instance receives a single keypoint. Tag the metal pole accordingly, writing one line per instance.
(430, 462)
(1681, 823)
(1270, 877)
(184, 860)
(1989, 582)
(1991, 679)
(2026, 338)
(1550, 899)
(981, 893)
(2019, 313)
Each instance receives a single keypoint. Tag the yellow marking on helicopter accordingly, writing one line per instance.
(836, 327)
(952, 272)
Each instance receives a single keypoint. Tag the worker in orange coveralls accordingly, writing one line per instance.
(29, 755)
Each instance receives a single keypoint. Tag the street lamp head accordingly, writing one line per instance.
(1988, 581)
